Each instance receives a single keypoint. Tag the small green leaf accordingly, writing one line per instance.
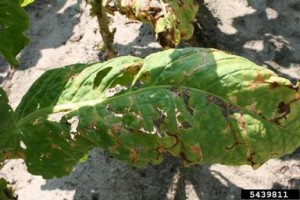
(13, 24)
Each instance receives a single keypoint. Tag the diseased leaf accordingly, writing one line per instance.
(203, 105)
(13, 24)
(172, 20)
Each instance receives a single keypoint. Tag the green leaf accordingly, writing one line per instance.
(13, 24)
(8, 137)
(203, 105)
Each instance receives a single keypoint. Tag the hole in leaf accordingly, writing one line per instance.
(56, 116)
(74, 123)
(100, 75)
(22, 145)
(115, 90)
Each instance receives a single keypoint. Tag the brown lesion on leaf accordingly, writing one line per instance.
(117, 127)
(226, 108)
(55, 146)
(221, 104)
(114, 148)
(175, 90)
(283, 109)
(161, 149)
(12, 154)
(250, 158)
(242, 122)
(144, 76)
(197, 150)
(177, 139)
(159, 153)
(233, 145)
(72, 77)
(259, 79)
(274, 154)
(108, 108)
(275, 85)
(133, 68)
(186, 97)
(133, 156)
(180, 124)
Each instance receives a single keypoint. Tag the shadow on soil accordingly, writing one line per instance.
(293, 182)
(114, 179)
(141, 45)
(270, 33)
(51, 33)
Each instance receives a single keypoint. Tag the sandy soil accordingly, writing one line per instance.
(62, 32)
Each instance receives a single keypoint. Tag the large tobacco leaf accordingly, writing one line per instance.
(203, 105)
(13, 23)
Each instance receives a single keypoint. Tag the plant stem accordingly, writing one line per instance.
(107, 35)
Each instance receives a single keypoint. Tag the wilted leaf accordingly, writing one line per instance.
(172, 20)
(13, 24)
(203, 105)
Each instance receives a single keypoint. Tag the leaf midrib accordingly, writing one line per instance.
(74, 106)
